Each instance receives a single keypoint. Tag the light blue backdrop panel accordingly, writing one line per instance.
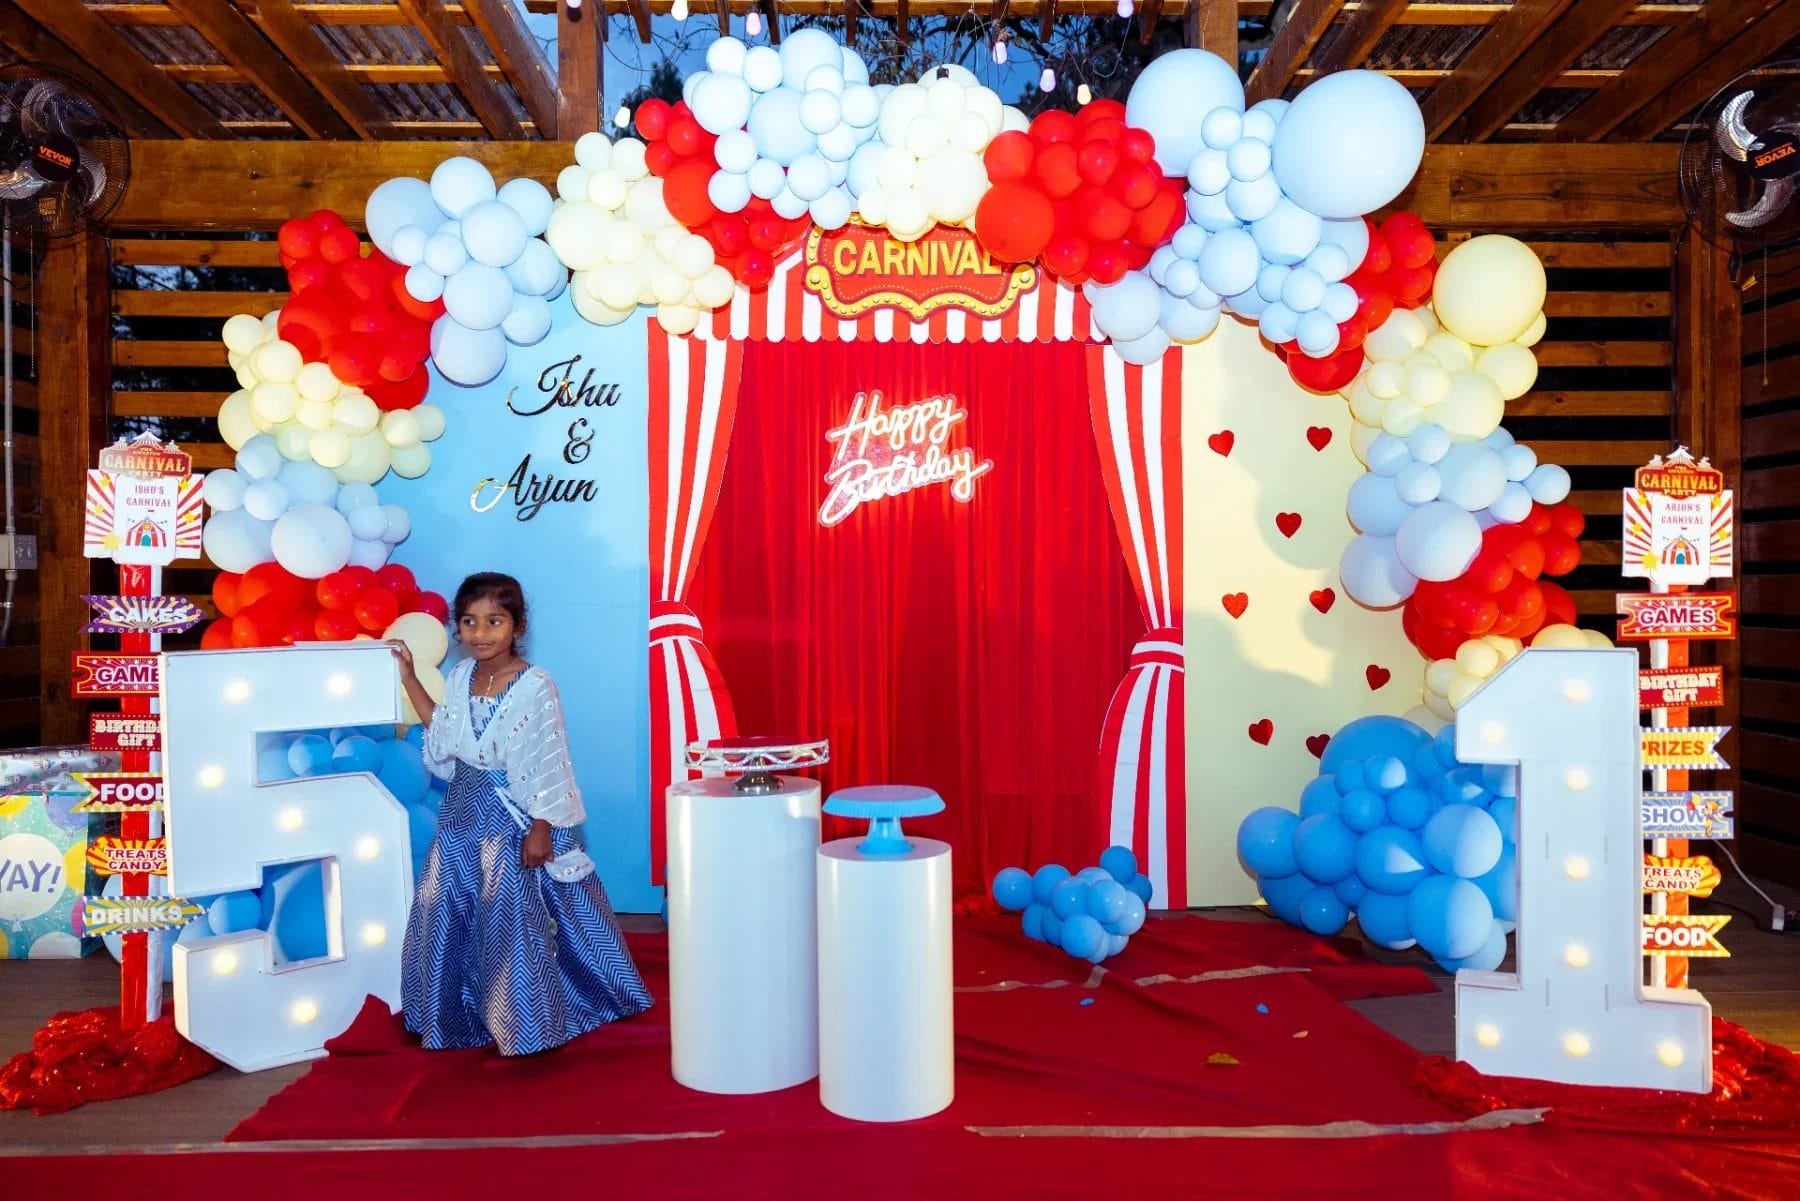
(583, 557)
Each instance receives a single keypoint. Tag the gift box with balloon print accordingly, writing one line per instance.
(43, 871)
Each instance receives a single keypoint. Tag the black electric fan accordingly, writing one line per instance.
(1740, 161)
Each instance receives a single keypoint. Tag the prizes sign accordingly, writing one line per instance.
(858, 268)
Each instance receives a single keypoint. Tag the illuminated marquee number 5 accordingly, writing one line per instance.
(1577, 1010)
(231, 997)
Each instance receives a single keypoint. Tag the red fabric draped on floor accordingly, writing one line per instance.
(969, 646)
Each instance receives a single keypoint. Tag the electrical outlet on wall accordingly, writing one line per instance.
(18, 552)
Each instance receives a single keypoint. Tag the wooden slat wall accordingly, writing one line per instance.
(19, 699)
(1769, 552)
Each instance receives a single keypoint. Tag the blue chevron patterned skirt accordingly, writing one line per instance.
(497, 953)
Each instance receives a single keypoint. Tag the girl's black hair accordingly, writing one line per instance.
(503, 590)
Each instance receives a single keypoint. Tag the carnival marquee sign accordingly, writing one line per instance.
(860, 268)
(1678, 523)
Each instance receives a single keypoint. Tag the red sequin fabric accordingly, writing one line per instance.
(1756, 1089)
(80, 1057)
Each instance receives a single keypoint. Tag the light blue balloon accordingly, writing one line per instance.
(1269, 281)
(1229, 262)
(1333, 264)
(1491, 955)
(1189, 240)
(1517, 461)
(1349, 143)
(1341, 301)
(1211, 214)
(1371, 572)
(1127, 310)
(1512, 506)
(1288, 234)
(1107, 901)
(1349, 234)
(1119, 862)
(1249, 306)
(1033, 922)
(1437, 541)
(1050, 927)
(1082, 936)
(1473, 476)
(1183, 321)
(1386, 773)
(236, 541)
(1252, 199)
(1279, 323)
(356, 754)
(1012, 888)
(1375, 505)
(395, 204)
(1170, 97)
(1322, 911)
(1303, 290)
(767, 179)
(1045, 880)
(775, 126)
(1363, 810)
(1265, 842)
(1409, 807)
(1284, 895)
(403, 773)
(1116, 943)
(1132, 920)
(1417, 484)
(272, 764)
(293, 910)
(1321, 795)
(1390, 860)
(1181, 278)
(1317, 333)
(467, 356)
(1500, 779)
(1325, 848)
(1388, 455)
(1461, 840)
(1069, 898)
(1367, 737)
(309, 755)
(1092, 875)
(1548, 484)
(1141, 887)
(232, 912)
(1443, 745)
(1501, 884)
(1383, 921)
(1451, 918)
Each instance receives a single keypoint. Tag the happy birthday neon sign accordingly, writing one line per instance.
(890, 452)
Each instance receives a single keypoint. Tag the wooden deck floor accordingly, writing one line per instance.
(1758, 987)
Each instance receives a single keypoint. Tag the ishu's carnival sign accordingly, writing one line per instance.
(859, 268)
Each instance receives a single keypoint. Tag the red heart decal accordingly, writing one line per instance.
(1235, 603)
(1317, 743)
(1377, 676)
(1262, 731)
(1322, 599)
(1287, 523)
(1222, 442)
(1319, 436)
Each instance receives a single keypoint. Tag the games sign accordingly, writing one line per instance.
(1682, 615)
(100, 673)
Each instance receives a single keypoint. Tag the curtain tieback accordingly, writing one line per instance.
(672, 620)
(1159, 647)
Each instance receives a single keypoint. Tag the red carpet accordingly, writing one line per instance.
(1223, 1087)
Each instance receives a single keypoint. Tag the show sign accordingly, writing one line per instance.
(860, 268)
(1687, 814)
(543, 474)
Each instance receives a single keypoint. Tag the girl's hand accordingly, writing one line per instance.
(537, 850)
(403, 653)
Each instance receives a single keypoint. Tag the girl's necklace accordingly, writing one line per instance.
(484, 687)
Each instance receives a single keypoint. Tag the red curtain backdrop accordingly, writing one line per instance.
(971, 648)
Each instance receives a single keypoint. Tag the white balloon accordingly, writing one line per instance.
(819, 110)
(735, 151)
(445, 253)
(767, 179)
(727, 55)
(721, 102)
(762, 68)
(466, 356)
(312, 541)
(409, 245)
(236, 541)
(395, 204)
(223, 489)
(729, 193)
(1222, 127)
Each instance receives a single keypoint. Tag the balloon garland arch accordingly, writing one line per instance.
(1173, 211)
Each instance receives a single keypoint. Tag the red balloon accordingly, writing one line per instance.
(1380, 258)
(1066, 256)
(1559, 606)
(408, 393)
(652, 119)
(1137, 146)
(1329, 374)
(340, 245)
(217, 635)
(1108, 219)
(335, 591)
(767, 232)
(758, 268)
(684, 192)
(225, 593)
(330, 626)
(1009, 157)
(1096, 161)
(1157, 221)
(247, 630)
(1562, 554)
(1411, 285)
(434, 604)
(1054, 125)
(1058, 171)
(729, 234)
(396, 579)
(1413, 247)
(1109, 130)
(685, 137)
(661, 159)
(1107, 263)
(1375, 307)
(1135, 184)
(376, 609)
(297, 238)
(360, 577)
(1014, 222)
(356, 359)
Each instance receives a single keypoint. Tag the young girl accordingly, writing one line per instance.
(511, 940)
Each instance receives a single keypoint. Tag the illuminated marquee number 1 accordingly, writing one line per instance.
(1577, 1010)
(231, 997)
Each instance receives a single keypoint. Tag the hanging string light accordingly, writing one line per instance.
(574, 5)
(623, 118)
(753, 24)
(1047, 81)
(1083, 94)
(1126, 8)
(999, 48)
(679, 10)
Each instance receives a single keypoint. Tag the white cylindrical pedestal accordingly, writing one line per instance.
(743, 964)
(887, 1048)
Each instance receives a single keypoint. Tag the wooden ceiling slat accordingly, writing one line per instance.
(1484, 64)
(309, 54)
(1148, 14)
(723, 7)
(1662, 67)
(1431, 77)
(578, 92)
(1357, 35)
(1749, 48)
(519, 55)
(771, 18)
(450, 45)
(852, 9)
(92, 39)
(1046, 19)
(1558, 47)
(1211, 25)
(640, 13)
(230, 33)
(1306, 24)
(30, 41)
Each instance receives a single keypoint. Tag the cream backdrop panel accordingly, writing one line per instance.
(1268, 466)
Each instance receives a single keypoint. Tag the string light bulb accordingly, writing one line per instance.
(622, 118)
(753, 24)
(1084, 94)
(1047, 81)
(574, 5)
(679, 10)
(1126, 8)
(999, 51)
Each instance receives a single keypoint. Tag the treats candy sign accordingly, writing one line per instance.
(1678, 522)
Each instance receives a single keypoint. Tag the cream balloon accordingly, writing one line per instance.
(237, 425)
(369, 458)
(294, 442)
(1489, 289)
(411, 462)
(424, 635)
(331, 447)
(1512, 367)
(242, 334)
(1561, 637)
(1473, 408)
(431, 421)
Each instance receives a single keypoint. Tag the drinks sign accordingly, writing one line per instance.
(889, 452)
(859, 268)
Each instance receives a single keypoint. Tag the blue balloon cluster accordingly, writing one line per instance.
(1091, 914)
(1418, 846)
(398, 763)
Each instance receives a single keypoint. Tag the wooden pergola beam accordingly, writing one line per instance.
(771, 18)
(1358, 34)
(723, 8)
(1306, 24)
(1211, 25)
(295, 38)
(1148, 14)
(1046, 19)
(193, 185)
(1661, 67)
(1499, 48)
(1560, 45)
(230, 33)
(31, 42)
(1749, 48)
(519, 56)
(640, 13)
(94, 41)
(452, 49)
(579, 93)
(852, 9)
